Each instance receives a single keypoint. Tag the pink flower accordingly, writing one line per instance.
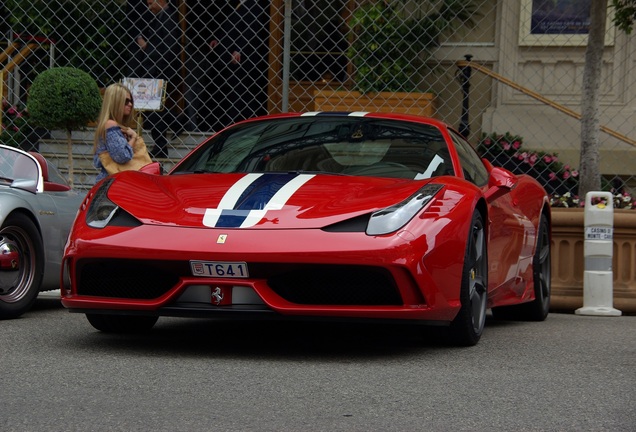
(12, 111)
(547, 159)
(552, 176)
(566, 175)
(516, 145)
(533, 159)
(488, 141)
(506, 146)
(574, 173)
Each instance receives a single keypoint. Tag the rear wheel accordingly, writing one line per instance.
(121, 323)
(21, 265)
(536, 310)
(468, 325)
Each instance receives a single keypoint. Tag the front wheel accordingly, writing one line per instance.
(468, 325)
(21, 265)
(121, 323)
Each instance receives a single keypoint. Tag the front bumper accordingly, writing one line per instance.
(293, 273)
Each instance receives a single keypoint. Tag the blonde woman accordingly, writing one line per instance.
(113, 133)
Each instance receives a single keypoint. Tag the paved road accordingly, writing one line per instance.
(570, 373)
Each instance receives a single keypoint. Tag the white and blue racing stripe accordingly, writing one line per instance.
(249, 199)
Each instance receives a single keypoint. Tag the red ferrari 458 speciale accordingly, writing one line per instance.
(333, 215)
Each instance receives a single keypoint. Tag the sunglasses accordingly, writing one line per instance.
(128, 102)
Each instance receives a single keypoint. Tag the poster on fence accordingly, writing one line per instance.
(149, 93)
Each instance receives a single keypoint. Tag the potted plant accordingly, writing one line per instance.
(390, 44)
(64, 98)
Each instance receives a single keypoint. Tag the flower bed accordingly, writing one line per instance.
(15, 125)
(560, 180)
(506, 150)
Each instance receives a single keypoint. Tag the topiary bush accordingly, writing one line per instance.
(64, 98)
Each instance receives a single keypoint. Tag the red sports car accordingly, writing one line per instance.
(331, 215)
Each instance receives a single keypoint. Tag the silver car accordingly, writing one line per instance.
(37, 209)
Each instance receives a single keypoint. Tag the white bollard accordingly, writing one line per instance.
(598, 278)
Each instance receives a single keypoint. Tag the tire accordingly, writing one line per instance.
(21, 275)
(468, 326)
(122, 323)
(537, 309)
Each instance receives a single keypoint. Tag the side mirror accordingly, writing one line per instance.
(487, 164)
(501, 181)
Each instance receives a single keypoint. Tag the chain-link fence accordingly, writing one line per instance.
(517, 99)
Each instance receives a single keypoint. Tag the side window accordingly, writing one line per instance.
(473, 167)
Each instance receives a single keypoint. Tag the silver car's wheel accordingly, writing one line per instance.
(468, 325)
(121, 323)
(21, 265)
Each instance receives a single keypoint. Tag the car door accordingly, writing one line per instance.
(507, 238)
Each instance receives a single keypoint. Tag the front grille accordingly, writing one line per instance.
(336, 285)
(126, 279)
(309, 284)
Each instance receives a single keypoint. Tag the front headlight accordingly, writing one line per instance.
(101, 209)
(392, 218)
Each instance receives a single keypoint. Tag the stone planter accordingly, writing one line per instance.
(422, 104)
(568, 260)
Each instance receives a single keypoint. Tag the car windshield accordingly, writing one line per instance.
(337, 145)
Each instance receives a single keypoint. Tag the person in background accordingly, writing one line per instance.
(113, 132)
(241, 46)
(201, 66)
(158, 57)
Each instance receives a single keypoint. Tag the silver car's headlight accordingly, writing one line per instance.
(101, 209)
(392, 218)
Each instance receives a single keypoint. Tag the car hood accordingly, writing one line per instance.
(256, 201)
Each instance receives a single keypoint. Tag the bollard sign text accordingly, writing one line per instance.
(599, 233)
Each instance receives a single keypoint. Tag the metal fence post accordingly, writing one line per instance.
(464, 78)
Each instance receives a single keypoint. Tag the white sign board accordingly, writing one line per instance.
(148, 93)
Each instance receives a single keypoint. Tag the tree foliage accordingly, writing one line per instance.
(87, 33)
(624, 14)
(388, 48)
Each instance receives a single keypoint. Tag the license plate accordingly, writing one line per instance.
(219, 269)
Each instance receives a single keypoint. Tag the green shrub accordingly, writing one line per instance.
(389, 49)
(64, 98)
